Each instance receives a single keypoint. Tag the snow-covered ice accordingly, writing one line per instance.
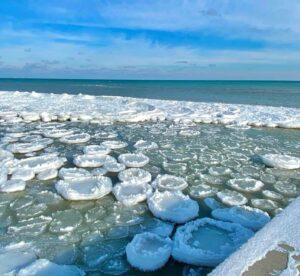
(23, 174)
(96, 150)
(169, 182)
(11, 186)
(89, 160)
(133, 160)
(73, 173)
(75, 138)
(84, 189)
(47, 174)
(149, 251)
(246, 216)
(208, 242)
(135, 175)
(232, 197)
(281, 161)
(245, 184)
(173, 206)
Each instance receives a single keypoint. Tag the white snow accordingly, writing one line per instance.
(281, 229)
(148, 251)
(281, 161)
(84, 189)
(43, 267)
(131, 193)
(133, 160)
(169, 182)
(173, 206)
(11, 186)
(249, 217)
(208, 242)
(134, 175)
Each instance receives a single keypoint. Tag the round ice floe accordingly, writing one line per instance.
(30, 116)
(135, 175)
(148, 251)
(213, 204)
(272, 195)
(232, 197)
(87, 160)
(145, 145)
(40, 163)
(216, 171)
(208, 242)
(45, 267)
(23, 174)
(26, 147)
(114, 144)
(11, 186)
(96, 149)
(245, 184)
(47, 174)
(246, 216)
(169, 182)
(99, 171)
(281, 161)
(264, 204)
(202, 190)
(73, 173)
(173, 206)
(131, 193)
(114, 167)
(75, 138)
(84, 189)
(57, 133)
(286, 188)
(133, 160)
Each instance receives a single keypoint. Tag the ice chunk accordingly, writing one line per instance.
(216, 171)
(75, 138)
(281, 161)
(169, 182)
(207, 242)
(202, 190)
(173, 206)
(245, 184)
(213, 204)
(88, 160)
(73, 173)
(114, 167)
(133, 160)
(11, 186)
(26, 147)
(145, 145)
(23, 174)
(84, 189)
(231, 197)
(264, 204)
(58, 132)
(96, 149)
(272, 195)
(135, 175)
(47, 174)
(65, 221)
(99, 171)
(148, 251)
(41, 163)
(246, 216)
(286, 188)
(131, 193)
(114, 144)
(43, 267)
(14, 257)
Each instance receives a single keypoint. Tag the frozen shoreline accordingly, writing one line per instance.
(284, 228)
(32, 106)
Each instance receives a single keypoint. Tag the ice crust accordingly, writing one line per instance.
(246, 216)
(148, 251)
(173, 206)
(223, 237)
(84, 189)
(30, 106)
(281, 161)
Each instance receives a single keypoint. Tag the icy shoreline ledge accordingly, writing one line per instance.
(284, 228)
(31, 106)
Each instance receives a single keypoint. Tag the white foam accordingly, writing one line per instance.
(249, 217)
(281, 161)
(148, 251)
(173, 206)
(131, 193)
(84, 189)
(44, 267)
(208, 242)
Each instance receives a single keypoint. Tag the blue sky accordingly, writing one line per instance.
(140, 39)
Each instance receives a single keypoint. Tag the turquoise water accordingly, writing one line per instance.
(274, 93)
